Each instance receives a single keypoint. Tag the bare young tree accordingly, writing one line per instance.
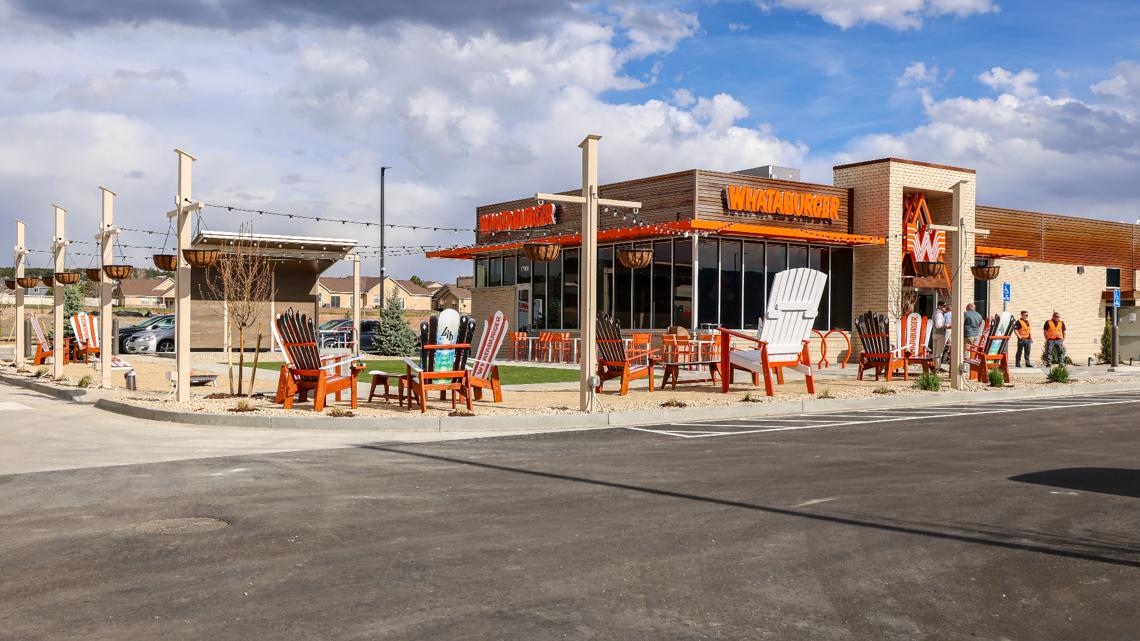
(242, 283)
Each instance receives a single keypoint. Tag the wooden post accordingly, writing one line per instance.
(106, 288)
(962, 234)
(58, 247)
(182, 276)
(587, 274)
(356, 300)
(21, 257)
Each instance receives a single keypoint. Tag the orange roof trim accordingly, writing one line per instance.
(1000, 252)
(741, 230)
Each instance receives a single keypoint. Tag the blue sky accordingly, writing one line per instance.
(293, 106)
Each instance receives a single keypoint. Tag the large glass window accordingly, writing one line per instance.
(797, 256)
(776, 261)
(570, 289)
(662, 283)
(840, 286)
(481, 272)
(755, 287)
(982, 292)
(818, 259)
(623, 291)
(495, 272)
(708, 264)
(509, 273)
(554, 293)
(524, 270)
(605, 281)
(538, 308)
(683, 282)
(642, 293)
(731, 281)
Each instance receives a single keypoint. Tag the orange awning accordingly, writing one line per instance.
(736, 230)
(999, 252)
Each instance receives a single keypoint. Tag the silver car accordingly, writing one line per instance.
(157, 339)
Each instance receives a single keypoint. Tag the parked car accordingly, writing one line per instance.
(154, 322)
(156, 339)
(338, 333)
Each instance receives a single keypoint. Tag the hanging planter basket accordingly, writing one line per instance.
(27, 282)
(118, 272)
(94, 274)
(541, 252)
(635, 258)
(928, 269)
(67, 278)
(166, 262)
(10, 283)
(200, 257)
(986, 272)
(49, 281)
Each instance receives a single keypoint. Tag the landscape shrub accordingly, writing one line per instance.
(824, 393)
(997, 378)
(883, 389)
(1059, 374)
(929, 382)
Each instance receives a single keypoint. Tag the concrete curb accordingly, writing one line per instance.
(541, 423)
(76, 395)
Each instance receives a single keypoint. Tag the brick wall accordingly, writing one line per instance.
(1041, 288)
(485, 301)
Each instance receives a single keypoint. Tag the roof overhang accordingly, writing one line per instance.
(986, 251)
(278, 246)
(709, 227)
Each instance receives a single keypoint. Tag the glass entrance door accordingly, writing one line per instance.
(522, 307)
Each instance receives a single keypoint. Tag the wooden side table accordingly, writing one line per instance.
(673, 370)
(386, 379)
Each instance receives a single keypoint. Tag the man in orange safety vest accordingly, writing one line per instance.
(1024, 340)
(1054, 340)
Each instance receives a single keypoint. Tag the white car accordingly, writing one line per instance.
(151, 341)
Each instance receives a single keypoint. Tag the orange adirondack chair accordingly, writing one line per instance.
(615, 361)
(44, 348)
(875, 335)
(305, 370)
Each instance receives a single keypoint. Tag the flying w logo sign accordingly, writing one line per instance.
(927, 245)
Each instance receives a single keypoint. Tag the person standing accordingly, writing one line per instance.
(972, 323)
(941, 331)
(1054, 340)
(1024, 340)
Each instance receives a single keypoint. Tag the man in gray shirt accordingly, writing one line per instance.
(972, 323)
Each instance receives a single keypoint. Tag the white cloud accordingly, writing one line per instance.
(917, 74)
(1123, 85)
(683, 97)
(896, 14)
(739, 26)
(1022, 84)
(1032, 151)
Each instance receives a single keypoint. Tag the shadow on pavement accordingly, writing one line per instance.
(1105, 480)
(1087, 550)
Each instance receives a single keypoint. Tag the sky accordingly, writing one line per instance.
(293, 106)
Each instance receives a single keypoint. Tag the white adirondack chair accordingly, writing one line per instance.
(782, 340)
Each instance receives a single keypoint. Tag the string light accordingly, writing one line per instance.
(366, 223)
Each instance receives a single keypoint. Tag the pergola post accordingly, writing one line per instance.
(356, 300)
(958, 285)
(587, 275)
(58, 247)
(182, 276)
(106, 287)
(21, 257)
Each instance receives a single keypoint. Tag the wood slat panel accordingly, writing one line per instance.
(1067, 240)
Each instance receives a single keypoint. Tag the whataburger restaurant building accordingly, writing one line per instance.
(717, 239)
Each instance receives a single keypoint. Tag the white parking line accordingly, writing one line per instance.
(763, 426)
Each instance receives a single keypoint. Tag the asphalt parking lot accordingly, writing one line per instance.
(1018, 524)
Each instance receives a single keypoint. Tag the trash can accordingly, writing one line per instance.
(132, 383)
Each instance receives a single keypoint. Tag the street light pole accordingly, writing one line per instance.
(383, 301)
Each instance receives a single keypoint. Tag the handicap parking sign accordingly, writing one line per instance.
(1006, 290)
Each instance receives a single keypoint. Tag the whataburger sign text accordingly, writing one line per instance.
(512, 219)
(742, 198)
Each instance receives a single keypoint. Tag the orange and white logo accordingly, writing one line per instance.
(927, 245)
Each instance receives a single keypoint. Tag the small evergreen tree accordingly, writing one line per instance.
(393, 336)
(72, 305)
(1106, 342)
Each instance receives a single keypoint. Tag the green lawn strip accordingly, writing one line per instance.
(511, 374)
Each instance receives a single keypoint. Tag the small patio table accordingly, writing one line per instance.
(672, 370)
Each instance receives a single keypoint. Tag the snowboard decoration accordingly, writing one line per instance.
(1002, 325)
(446, 333)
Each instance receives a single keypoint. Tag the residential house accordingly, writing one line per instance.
(145, 292)
(336, 291)
(452, 297)
(410, 295)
